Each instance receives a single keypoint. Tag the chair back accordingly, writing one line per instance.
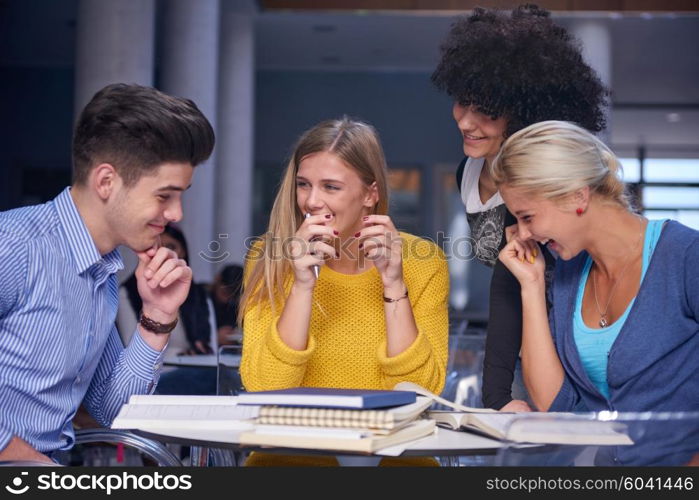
(465, 369)
(228, 381)
(103, 447)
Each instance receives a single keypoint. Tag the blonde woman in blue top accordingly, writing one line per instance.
(622, 334)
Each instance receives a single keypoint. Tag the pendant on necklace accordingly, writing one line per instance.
(603, 322)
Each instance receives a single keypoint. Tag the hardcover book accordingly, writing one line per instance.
(334, 439)
(328, 398)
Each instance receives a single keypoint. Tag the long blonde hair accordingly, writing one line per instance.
(553, 158)
(357, 145)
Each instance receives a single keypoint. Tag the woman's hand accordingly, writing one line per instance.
(516, 405)
(311, 247)
(381, 243)
(523, 258)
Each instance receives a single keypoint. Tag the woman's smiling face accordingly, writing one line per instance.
(482, 135)
(327, 185)
(552, 223)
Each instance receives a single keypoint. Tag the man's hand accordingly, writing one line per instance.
(163, 283)
(18, 449)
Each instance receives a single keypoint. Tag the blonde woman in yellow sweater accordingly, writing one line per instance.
(376, 312)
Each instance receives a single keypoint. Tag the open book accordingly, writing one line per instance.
(335, 439)
(154, 412)
(545, 428)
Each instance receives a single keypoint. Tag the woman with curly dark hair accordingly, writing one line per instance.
(505, 72)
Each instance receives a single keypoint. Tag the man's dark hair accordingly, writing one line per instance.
(137, 128)
(519, 66)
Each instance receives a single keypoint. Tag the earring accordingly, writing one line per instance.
(579, 211)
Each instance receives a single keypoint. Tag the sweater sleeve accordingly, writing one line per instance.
(425, 361)
(267, 362)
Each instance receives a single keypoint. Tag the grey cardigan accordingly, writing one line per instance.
(654, 363)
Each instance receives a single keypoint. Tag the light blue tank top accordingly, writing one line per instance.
(594, 344)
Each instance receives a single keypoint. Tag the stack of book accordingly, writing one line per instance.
(336, 419)
(310, 418)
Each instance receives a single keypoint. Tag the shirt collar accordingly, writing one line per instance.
(81, 244)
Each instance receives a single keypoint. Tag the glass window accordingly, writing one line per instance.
(405, 187)
(672, 170)
(689, 218)
(670, 197)
(631, 169)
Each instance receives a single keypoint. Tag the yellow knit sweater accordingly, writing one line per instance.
(347, 338)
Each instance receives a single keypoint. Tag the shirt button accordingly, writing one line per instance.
(78, 379)
(156, 366)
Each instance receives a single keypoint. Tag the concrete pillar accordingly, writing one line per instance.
(236, 131)
(115, 43)
(189, 68)
(596, 39)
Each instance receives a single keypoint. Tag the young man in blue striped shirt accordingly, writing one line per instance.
(134, 153)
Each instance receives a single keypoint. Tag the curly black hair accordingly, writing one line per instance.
(522, 67)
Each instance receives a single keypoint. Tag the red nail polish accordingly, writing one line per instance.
(365, 218)
(335, 233)
(328, 216)
(361, 245)
(356, 235)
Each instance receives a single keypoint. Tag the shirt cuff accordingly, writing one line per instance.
(143, 361)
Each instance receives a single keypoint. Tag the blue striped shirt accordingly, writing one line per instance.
(58, 342)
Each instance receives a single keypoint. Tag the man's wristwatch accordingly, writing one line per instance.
(154, 326)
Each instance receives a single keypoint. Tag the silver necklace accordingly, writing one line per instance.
(603, 321)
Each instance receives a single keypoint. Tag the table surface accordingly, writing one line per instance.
(444, 442)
